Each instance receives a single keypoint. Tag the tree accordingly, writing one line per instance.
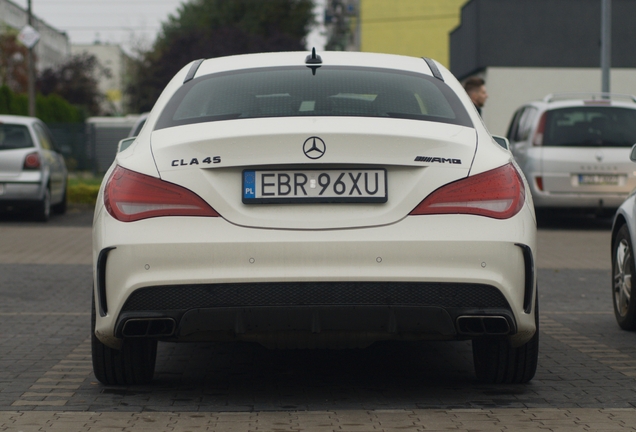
(75, 80)
(49, 109)
(215, 28)
(13, 63)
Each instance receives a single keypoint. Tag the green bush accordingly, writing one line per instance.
(83, 188)
(55, 109)
(49, 109)
(82, 194)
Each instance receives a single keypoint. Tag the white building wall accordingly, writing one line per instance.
(508, 88)
(53, 47)
(113, 58)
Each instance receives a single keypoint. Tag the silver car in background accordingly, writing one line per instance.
(574, 149)
(623, 263)
(33, 175)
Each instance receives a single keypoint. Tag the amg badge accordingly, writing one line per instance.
(438, 160)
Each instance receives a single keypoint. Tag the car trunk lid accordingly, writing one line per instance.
(12, 161)
(210, 159)
(587, 170)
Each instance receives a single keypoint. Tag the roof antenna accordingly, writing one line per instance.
(313, 61)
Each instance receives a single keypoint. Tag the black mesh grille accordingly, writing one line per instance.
(448, 295)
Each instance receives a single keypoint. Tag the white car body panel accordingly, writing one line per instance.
(258, 142)
(454, 248)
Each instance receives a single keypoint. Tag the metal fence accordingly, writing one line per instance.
(90, 146)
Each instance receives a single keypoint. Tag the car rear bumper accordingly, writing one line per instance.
(20, 191)
(580, 200)
(319, 310)
(207, 279)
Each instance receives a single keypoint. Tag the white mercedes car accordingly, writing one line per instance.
(325, 200)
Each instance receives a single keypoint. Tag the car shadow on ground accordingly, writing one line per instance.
(574, 220)
(77, 215)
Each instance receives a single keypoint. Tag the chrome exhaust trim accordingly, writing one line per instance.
(474, 325)
(149, 327)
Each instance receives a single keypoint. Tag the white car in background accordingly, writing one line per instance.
(574, 149)
(33, 175)
(306, 201)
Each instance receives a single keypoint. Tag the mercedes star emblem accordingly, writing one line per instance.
(314, 147)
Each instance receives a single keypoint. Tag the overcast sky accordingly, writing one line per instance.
(130, 23)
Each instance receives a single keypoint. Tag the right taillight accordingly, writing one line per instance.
(538, 135)
(130, 196)
(32, 161)
(498, 193)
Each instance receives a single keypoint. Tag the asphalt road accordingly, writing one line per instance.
(587, 364)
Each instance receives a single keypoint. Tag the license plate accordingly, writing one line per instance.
(598, 179)
(314, 186)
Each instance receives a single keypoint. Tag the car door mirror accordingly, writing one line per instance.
(502, 141)
(124, 144)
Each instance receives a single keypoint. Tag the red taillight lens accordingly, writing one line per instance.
(130, 196)
(539, 181)
(498, 194)
(538, 135)
(32, 161)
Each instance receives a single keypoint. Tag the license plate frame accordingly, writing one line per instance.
(598, 179)
(269, 192)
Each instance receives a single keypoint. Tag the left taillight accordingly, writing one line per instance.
(32, 161)
(497, 193)
(537, 141)
(130, 196)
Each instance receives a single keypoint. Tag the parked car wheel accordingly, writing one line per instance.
(133, 364)
(497, 362)
(622, 271)
(60, 208)
(43, 207)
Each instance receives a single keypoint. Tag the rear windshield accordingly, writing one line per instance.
(590, 126)
(295, 91)
(13, 136)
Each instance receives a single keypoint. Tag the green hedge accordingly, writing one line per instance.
(49, 109)
(82, 194)
(83, 188)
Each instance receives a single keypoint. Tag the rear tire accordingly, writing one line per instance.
(496, 362)
(623, 269)
(43, 207)
(60, 208)
(133, 364)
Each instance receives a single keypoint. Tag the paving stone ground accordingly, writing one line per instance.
(586, 378)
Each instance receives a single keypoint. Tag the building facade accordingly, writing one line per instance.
(113, 59)
(416, 28)
(526, 49)
(53, 47)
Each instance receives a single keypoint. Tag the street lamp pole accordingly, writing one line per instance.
(31, 65)
(606, 44)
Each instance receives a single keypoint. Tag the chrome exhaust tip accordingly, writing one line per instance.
(483, 325)
(149, 327)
